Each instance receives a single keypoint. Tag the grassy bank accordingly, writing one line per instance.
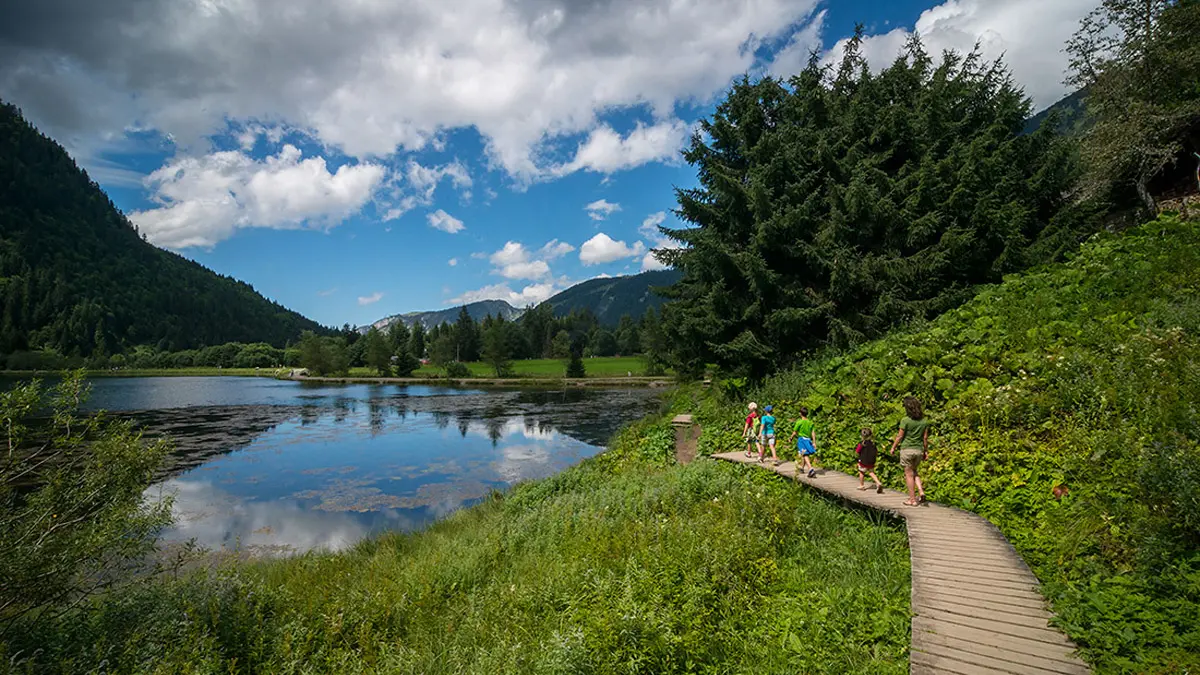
(623, 564)
(599, 366)
(156, 372)
(1083, 376)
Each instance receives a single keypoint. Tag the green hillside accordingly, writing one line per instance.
(75, 276)
(1084, 376)
(610, 299)
(1072, 114)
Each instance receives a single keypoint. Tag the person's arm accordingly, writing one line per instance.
(814, 439)
(896, 441)
(925, 442)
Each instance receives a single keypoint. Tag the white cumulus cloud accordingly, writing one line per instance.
(370, 77)
(514, 261)
(605, 151)
(529, 295)
(601, 209)
(1029, 34)
(555, 249)
(602, 249)
(371, 299)
(203, 200)
(440, 220)
(452, 262)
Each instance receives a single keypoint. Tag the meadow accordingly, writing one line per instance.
(624, 564)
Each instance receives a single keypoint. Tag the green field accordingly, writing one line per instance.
(611, 366)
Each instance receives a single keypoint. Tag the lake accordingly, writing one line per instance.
(273, 467)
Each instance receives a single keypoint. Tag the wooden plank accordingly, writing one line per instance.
(942, 606)
(943, 659)
(930, 642)
(987, 635)
(977, 607)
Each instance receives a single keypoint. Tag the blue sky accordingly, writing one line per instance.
(390, 157)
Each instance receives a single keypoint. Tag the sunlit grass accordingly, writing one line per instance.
(619, 565)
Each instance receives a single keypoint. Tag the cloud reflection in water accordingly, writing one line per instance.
(341, 469)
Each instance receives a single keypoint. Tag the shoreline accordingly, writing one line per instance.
(514, 382)
(636, 381)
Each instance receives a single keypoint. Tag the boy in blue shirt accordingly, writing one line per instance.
(768, 435)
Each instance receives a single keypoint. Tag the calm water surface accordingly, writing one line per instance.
(274, 467)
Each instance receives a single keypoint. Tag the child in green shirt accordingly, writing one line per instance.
(806, 442)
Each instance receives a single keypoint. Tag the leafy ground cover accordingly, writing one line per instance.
(624, 564)
(1083, 376)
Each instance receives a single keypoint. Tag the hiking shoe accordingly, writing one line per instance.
(878, 489)
(812, 473)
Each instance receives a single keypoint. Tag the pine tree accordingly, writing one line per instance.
(497, 346)
(377, 352)
(397, 335)
(466, 335)
(832, 209)
(575, 368)
(404, 362)
(416, 341)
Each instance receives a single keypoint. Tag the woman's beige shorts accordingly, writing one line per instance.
(911, 458)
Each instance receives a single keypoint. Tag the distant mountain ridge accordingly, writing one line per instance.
(1072, 110)
(429, 319)
(76, 277)
(611, 298)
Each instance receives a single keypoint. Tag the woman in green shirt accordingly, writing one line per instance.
(913, 441)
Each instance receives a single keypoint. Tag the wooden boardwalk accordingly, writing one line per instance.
(976, 606)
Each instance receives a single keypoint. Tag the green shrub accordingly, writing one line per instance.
(1082, 376)
(71, 502)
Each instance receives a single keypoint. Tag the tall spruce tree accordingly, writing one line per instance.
(498, 345)
(416, 341)
(466, 336)
(377, 353)
(842, 203)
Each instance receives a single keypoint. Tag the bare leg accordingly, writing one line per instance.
(920, 485)
(910, 481)
(875, 478)
(861, 484)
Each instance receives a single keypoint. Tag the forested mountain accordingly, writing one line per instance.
(1072, 114)
(610, 299)
(476, 310)
(75, 277)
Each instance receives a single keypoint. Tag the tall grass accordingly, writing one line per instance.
(624, 564)
(1083, 376)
